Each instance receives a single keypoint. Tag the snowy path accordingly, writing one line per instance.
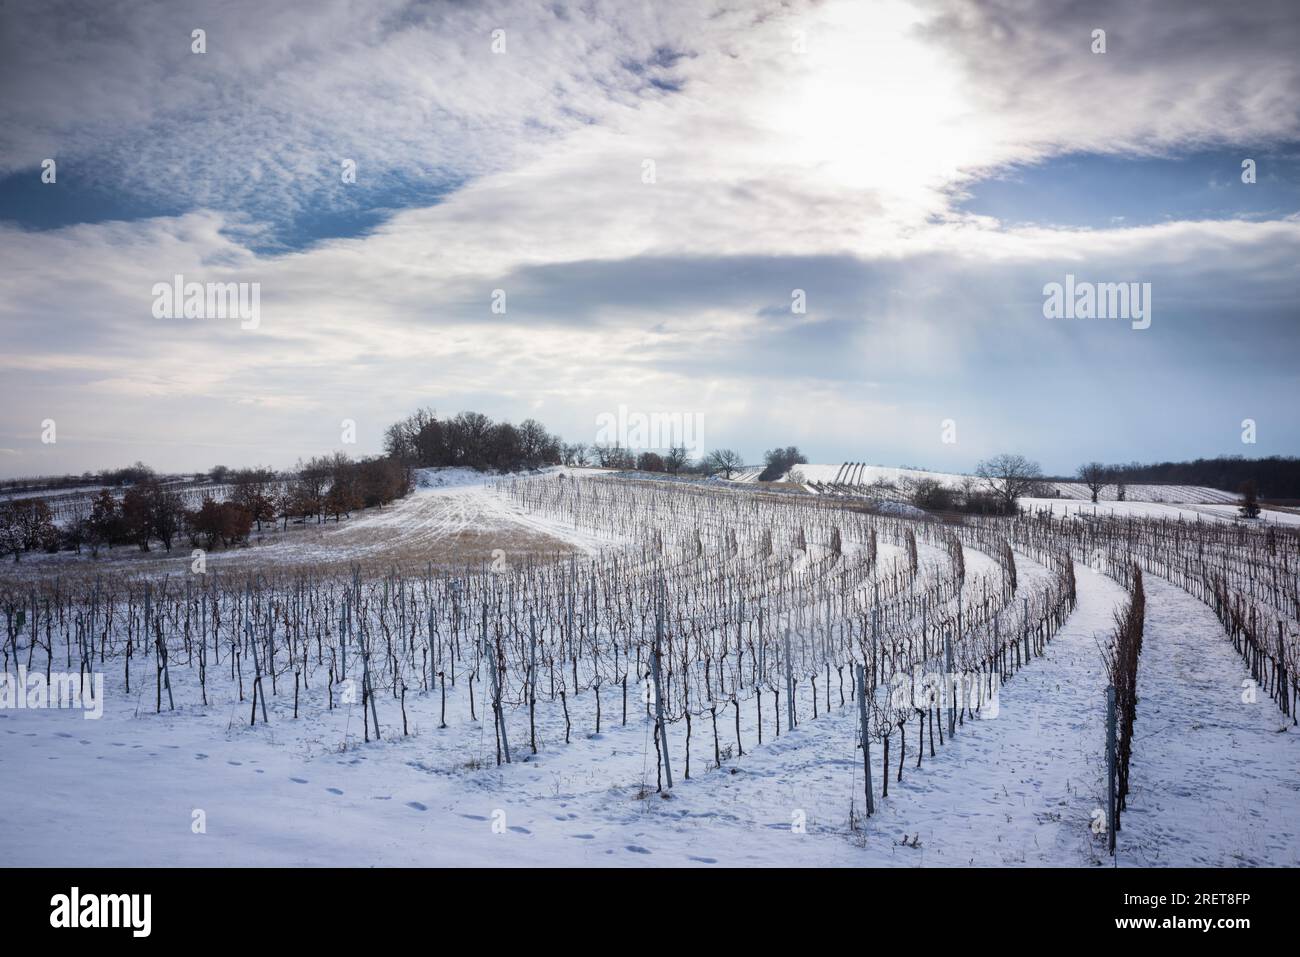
(1214, 781)
(1021, 789)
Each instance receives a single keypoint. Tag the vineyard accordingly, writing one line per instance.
(701, 639)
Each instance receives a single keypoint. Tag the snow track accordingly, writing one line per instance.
(1214, 780)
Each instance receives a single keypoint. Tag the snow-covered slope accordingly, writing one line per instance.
(850, 476)
(1171, 494)
(856, 475)
(1137, 509)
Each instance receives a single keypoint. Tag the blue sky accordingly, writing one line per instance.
(84, 196)
(1101, 191)
(1078, 190)
(648, 187)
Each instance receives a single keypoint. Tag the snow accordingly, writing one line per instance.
(454, 477)
(460, 477)
(871, 474)
(52, 495)
(1136, 509)
(1067, 493)
(1017, 788)
(416, 801)
(448, 507)
(1185, 494)
(901, 509)
(1213, 779)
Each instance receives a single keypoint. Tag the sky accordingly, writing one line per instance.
(828, 225)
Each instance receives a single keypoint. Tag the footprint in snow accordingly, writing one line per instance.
(520, 830)
(62, 734)
(200, 757)
(334, 790)
(237, 764)
(585, 837)
(637, 849)
(298, 780)
(703, 860)
(474, 817)
(417, 805)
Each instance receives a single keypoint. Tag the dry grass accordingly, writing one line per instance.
(410, 535)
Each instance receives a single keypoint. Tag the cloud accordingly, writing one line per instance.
(1175, 72)
(412, 92)
(832, 170)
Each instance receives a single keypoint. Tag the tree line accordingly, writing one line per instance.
(471, 440)
(152, 511)
(673, 461)
(1274, 477)
(117, 478)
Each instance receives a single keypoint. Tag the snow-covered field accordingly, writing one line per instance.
(1157, 510)
(1219, 779)
(70, 491)
(1172, 494)
(454, 516)
(861, 475)
(1214, 779)
(849, 476)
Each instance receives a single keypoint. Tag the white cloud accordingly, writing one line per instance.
(835, 169)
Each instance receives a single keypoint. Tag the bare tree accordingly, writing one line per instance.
(613, 456)
(1121, 483)
(725, 461)
(675, 458)
(1250, 500)
(1096, 476)
(166, 513)
(1008, 477)
(11, 538)
(254, 491)
(533, 441)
